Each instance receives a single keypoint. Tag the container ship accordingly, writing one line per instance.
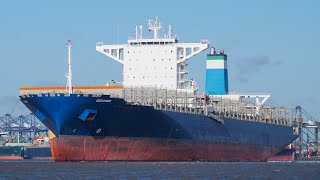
(40, 150)
(157, 114)
(11, 152)
(18, 148)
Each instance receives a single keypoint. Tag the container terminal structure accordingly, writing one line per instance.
(156, 113)
(23, 137)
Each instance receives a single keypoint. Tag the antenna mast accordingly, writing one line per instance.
(154, 26)
(69, 74)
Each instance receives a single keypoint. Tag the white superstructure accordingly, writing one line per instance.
(159, 61)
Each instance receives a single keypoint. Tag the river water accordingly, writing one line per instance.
(29, 169)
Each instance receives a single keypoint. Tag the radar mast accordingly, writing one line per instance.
(69, 74)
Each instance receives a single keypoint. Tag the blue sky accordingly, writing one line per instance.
(272, 46)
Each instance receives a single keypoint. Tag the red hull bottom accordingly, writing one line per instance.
(85, 148)
(11, 157)
(281, 158)
(41, 158)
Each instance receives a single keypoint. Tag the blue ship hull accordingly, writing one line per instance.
(104, 117)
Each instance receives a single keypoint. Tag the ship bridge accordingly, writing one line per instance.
(157, 61)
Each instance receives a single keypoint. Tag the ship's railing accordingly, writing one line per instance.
(213, 107)
(186, 101)
(248, 111)
(53, 91)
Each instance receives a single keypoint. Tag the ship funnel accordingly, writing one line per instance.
(216, 73)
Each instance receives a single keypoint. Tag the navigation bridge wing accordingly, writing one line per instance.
(188, 50)
(115, 52)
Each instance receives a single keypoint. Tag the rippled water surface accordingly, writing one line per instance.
(158, 170)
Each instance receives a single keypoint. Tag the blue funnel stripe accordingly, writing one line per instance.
(217, 81)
